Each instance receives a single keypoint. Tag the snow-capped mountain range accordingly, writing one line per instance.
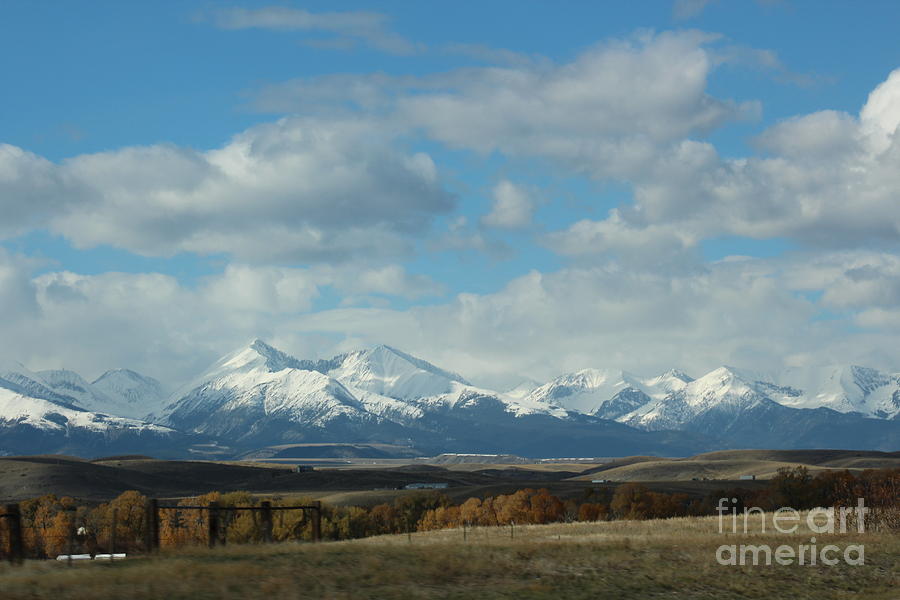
(259, 396)
(58, 411)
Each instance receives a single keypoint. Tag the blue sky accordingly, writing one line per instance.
(425, 164)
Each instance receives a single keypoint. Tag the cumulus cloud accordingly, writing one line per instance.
(31, 188)
(604, 113)
(652, 249)
(368, 27)
(880, 117)
(831, 181)
(512, 207)
(17, 292)
(333, 188)
(539, 325)
(854, 279)
(294, 190)
(153, 323)
(745, 312)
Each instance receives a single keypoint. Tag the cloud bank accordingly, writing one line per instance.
(335, 200)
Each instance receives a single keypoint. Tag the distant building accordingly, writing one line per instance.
(303, 468)
(748, 477)
(426, 486)
(599, 480)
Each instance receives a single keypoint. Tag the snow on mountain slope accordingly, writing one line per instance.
(262, 377)
(590, 391)
(381, 391)
(40, 413)
(293, 393)
(16, 409)
(523, 389)
(260, 393)
(667, 383)
(129, 394)
(17, 378)
(468, 397)
(844, 388)
(390, 372)
(723, 390)
(73, 385)
(647, 402)
(257, 356)
(584, 391)
(400, 411)
(118, 392)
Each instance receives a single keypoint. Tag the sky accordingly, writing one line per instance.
(511, 190)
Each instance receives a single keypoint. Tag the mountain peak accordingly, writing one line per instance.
(677, 374)
(390, 372)
(259, 354)
(120, 374)
(382, 351)
(734, 373)
(261, 345)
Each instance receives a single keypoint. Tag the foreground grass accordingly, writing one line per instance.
(673, 559)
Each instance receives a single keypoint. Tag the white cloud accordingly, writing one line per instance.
(31, 188)
(879, 319)
(603, 113)
(656, 246)
(332, 187)
(152, 323)
(832, 181)
(512, 207)
(825, 134)
(880, 117)
(263, 290)
(294, 190)
(855, 279)
(745, 312)
(739, 312)
(371, 28)
(17, 293)
(606, 113)
(391, 280)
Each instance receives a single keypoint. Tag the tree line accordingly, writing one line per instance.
(52, 524)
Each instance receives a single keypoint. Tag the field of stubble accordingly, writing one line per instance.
(673, 558)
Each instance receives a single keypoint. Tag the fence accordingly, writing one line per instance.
(155, 526)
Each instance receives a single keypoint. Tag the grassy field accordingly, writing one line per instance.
(732, 464)
(626, 559)
(365, 480)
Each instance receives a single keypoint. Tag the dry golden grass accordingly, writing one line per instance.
(650, 559)
(731, 464)
(684, 470)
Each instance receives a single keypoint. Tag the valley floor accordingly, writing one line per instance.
(674, 558)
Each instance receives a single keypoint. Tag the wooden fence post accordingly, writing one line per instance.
(71, 535)
(14, 526)
(266, 518)
(151, 531)
(112, 534)
(317, 521)
(213, 523)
